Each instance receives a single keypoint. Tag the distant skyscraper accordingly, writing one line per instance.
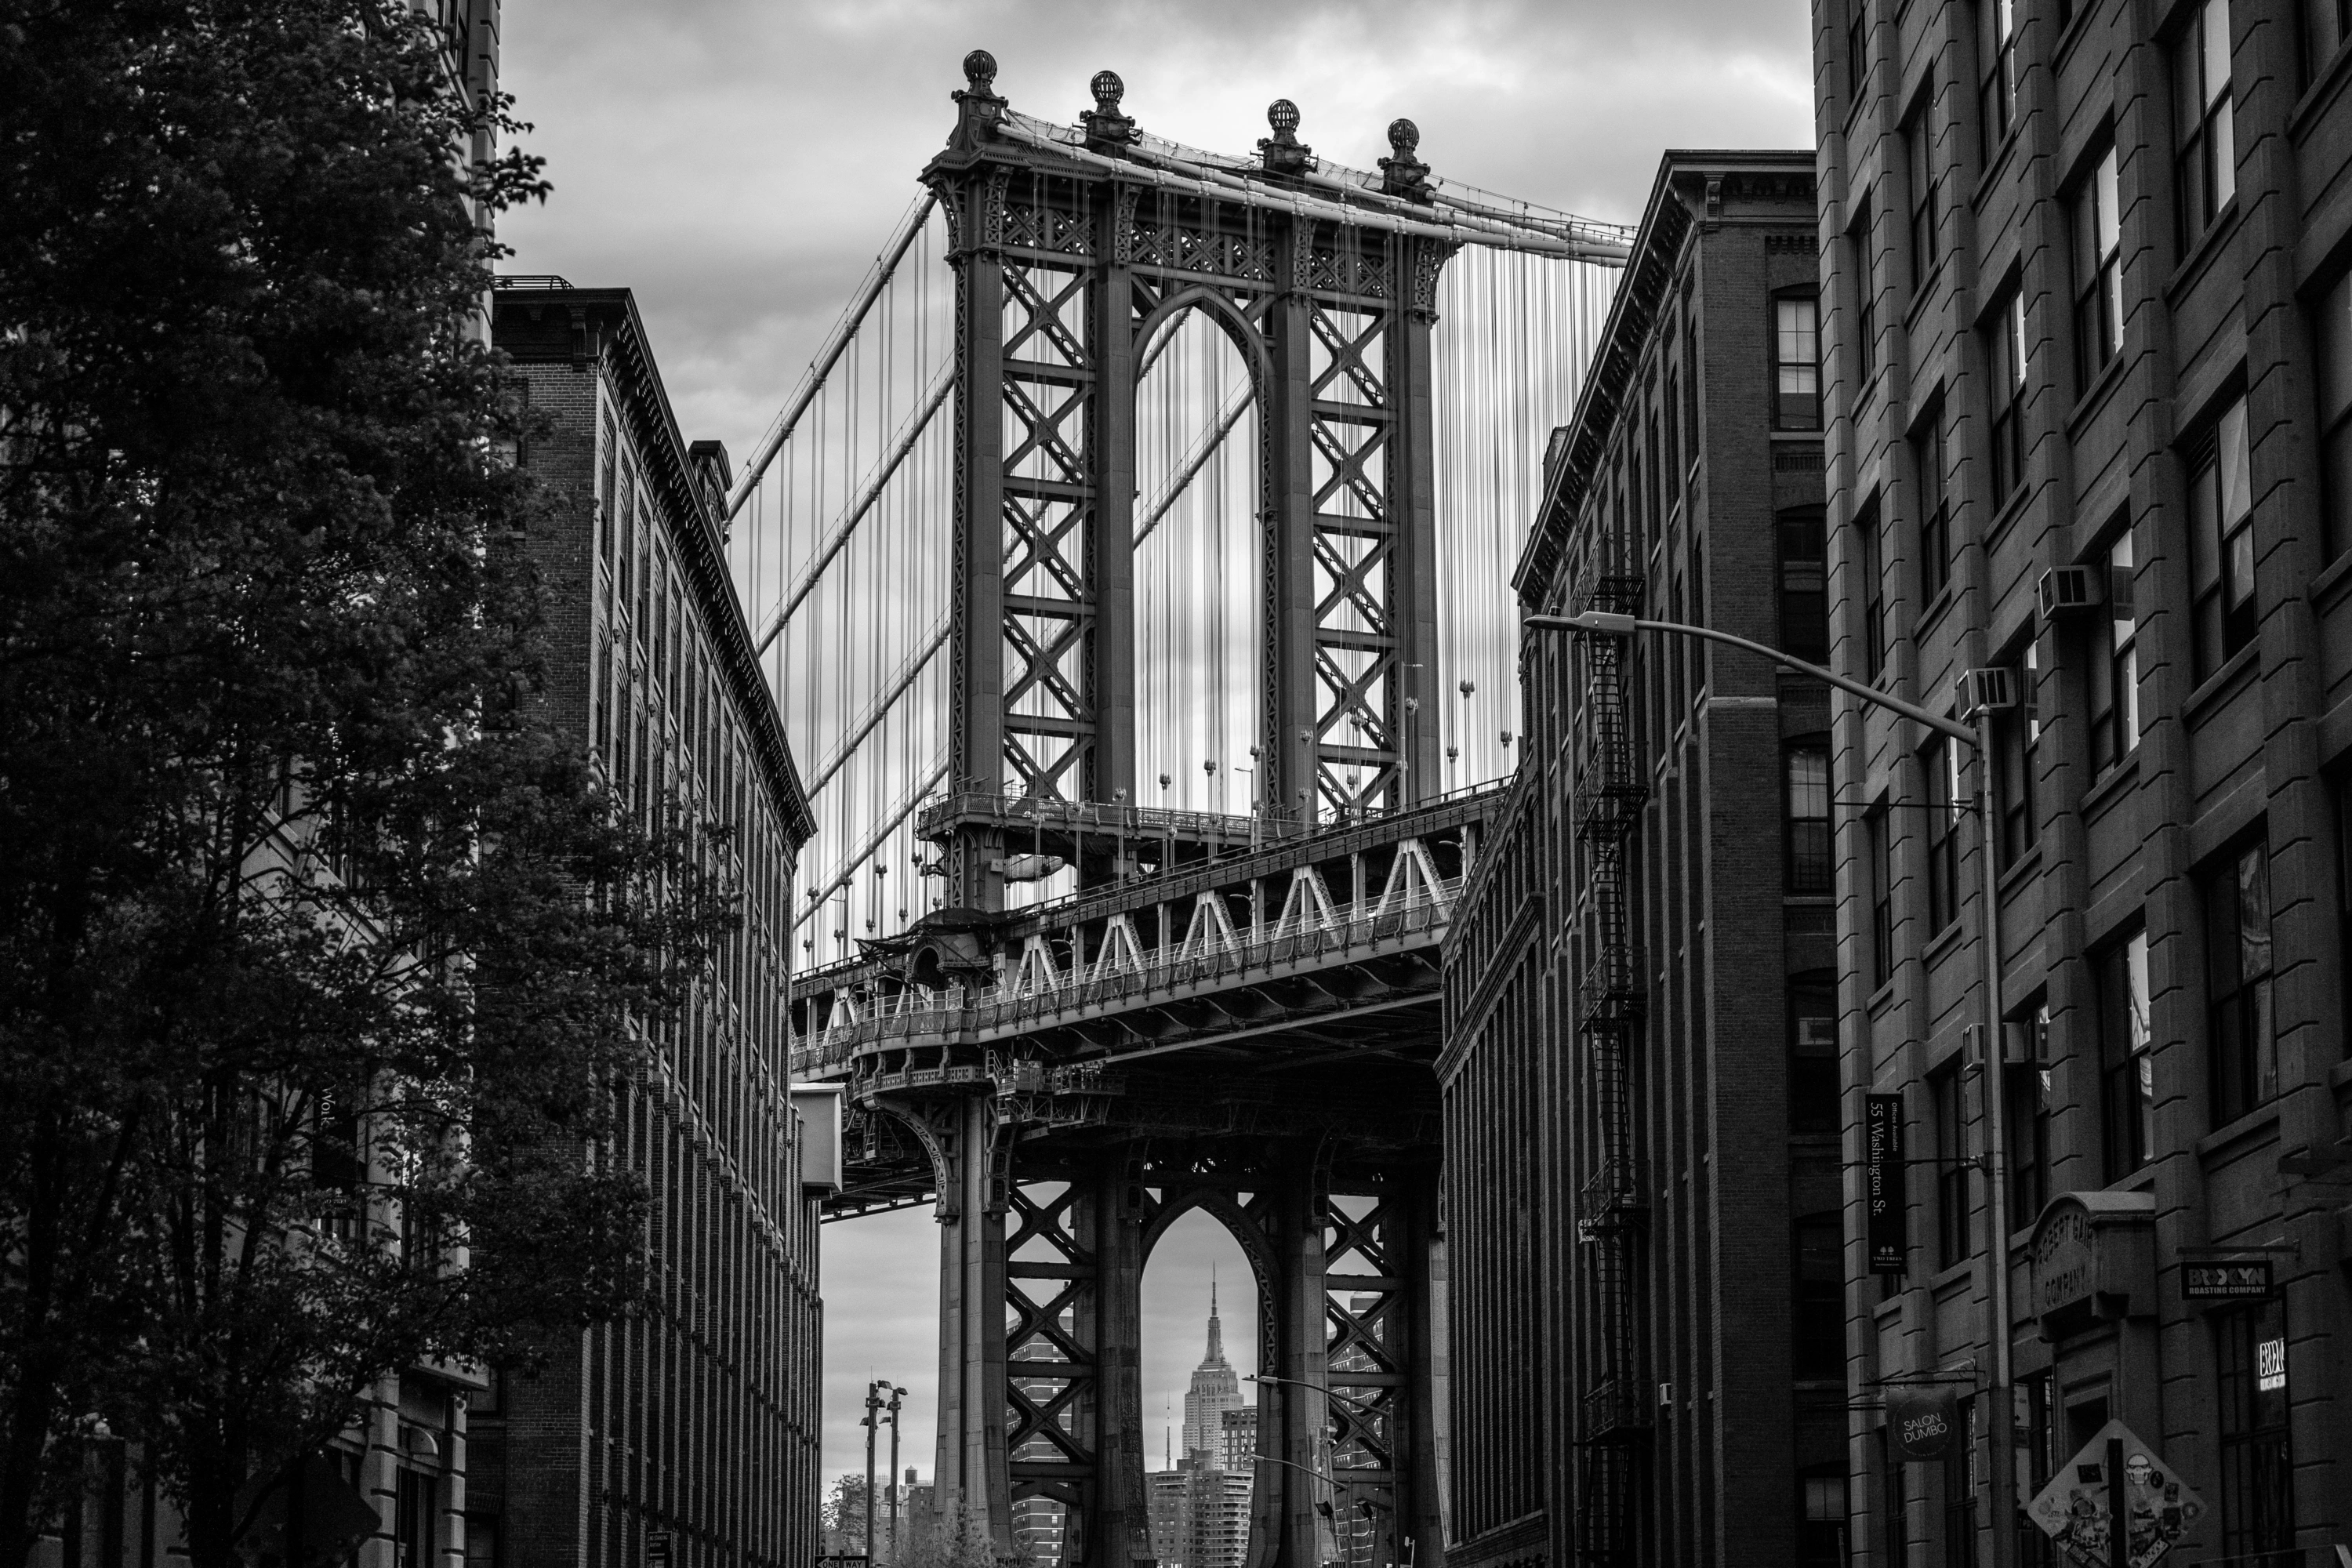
(1216, 1388)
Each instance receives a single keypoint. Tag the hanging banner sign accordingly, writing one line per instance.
(1886, 1204)
(2077, 1508)
(2240, 1280)
(1921, 1423)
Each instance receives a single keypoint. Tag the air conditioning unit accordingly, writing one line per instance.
(1992, 690)
(2068, 590)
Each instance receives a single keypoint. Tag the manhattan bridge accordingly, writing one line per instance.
(1131, 567)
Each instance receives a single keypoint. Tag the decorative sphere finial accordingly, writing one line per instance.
(1107, 90)
(980, 69)
(1283, 115)
(1404, 137)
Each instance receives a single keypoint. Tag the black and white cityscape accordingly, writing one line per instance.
(1034, 786)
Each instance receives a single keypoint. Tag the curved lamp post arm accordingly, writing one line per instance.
(1625, 625)
(1326, 1392)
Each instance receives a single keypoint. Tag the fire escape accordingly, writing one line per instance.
(1610, 788)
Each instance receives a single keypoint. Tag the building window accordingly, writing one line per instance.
(1882, 897)
(1671, 408)
(1796, 363)
(2098, 273)
(482, 1540)
(2221, 544)
(2238, 983)
(1865, 274)
(2325, 25)
(604, 472)
(2343, 793)
(2114, 666)
(1946, 804)
(1920, 152)
(1812, 1053)
(1804, 585)
(2000, 58)
(1821, 1514)
(1895, 1487)
(1935, 507)
(1874, 595)
(1809, 866)
(1857, 52)
(2206, 168)
(2332, 343)
(413, 1532)
(1961, 1491)
(2026, 1091)
(1819, 1350)
(2257, 1487)
(2127, 1057)
(1951, 1167)
(2005, 360)
(2037, 1441)
(2016, 735)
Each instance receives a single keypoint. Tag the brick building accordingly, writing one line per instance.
(692, 1426)
(2088, 352)
(1639, 1075)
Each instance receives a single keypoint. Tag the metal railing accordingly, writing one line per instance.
(917, 1012)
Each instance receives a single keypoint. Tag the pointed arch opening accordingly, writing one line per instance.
(1202, 1328)
(1198, 567)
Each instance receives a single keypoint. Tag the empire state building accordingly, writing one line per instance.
(1216, 1388)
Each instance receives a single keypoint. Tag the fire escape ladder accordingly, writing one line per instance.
(1608, 792)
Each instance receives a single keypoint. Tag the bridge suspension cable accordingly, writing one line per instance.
(942, 386)
(836, 343)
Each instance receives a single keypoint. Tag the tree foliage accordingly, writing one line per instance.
(317, 943)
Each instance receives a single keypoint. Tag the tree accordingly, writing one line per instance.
(318, 946)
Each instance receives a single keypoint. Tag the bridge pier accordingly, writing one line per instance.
(963, 1137)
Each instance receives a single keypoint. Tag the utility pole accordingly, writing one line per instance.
(891, 1415)
(873, 1403)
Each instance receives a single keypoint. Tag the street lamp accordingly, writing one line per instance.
(1983, 693)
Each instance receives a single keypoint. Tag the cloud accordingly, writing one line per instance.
(737, 163)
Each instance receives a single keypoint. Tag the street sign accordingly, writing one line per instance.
(1921, 1422)
(656, 1549)
(2076, 1509)
(1888, 1220)
(2215, 1280)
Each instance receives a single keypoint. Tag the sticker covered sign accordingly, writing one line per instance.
(2077, 1508)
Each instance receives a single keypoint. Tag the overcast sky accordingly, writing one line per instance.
(737, 162)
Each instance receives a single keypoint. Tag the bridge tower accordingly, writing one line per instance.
(1074, 249)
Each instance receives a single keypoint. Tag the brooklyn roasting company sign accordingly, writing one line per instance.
(1888, 1218)
(2234, 1279)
